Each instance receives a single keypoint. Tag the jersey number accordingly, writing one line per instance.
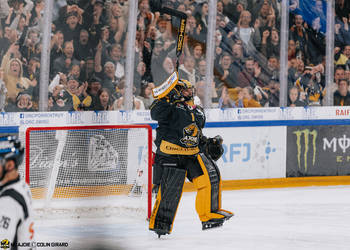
(5, 222)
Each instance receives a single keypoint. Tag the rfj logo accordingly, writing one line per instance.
(236, 152)
(309, 138)
(268, 150)
(244, 152)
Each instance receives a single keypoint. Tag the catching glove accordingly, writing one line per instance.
(214, 147)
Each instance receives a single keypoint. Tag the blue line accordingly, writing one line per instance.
(9, 129)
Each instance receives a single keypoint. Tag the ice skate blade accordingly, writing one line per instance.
(229, 216)
(214, 223)
(160, 232)
(206, 227)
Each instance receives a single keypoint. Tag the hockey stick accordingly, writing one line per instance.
(156, 5)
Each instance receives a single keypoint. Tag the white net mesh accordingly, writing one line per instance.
(82, 169)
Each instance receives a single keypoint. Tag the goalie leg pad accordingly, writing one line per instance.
(167, 201)
(208, 200)
(203, 199)
(221, 211)
(208, 190)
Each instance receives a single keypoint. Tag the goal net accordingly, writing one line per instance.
(82, 169)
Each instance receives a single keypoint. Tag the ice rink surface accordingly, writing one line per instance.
(282, 219)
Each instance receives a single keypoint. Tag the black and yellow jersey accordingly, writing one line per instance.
(179, 127)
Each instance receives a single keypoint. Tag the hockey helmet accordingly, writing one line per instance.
(10, 149)
(185, 84)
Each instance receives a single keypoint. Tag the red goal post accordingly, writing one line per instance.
(83, 191)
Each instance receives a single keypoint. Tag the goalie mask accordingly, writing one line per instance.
(10, 149)
(185, 88)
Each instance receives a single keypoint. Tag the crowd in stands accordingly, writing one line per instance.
(89, 41)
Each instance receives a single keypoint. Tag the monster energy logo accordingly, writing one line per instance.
(307, 133)
(342, 142)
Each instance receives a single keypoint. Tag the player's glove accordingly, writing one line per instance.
(214, 147)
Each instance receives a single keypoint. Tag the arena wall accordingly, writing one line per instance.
(264, 147)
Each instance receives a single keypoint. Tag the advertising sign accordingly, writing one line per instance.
(143, 116)
(251, 153)
(318, 151)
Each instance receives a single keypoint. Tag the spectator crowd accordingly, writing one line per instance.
(88, 53)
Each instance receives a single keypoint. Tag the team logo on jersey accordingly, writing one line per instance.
(191, 135)
(5, 244)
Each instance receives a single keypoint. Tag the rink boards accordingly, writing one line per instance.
(264, 147)
(284, 151)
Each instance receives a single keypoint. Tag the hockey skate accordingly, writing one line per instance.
(212, 223)
(160, 232)
(161, 229)
(227, 215)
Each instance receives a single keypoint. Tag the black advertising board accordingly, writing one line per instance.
(318, 151)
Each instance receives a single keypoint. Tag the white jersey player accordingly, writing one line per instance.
(16, 222)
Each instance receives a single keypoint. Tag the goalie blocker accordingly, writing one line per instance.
(182, 151)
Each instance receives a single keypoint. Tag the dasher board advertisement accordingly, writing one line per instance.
(251, 152)
(318, 151)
